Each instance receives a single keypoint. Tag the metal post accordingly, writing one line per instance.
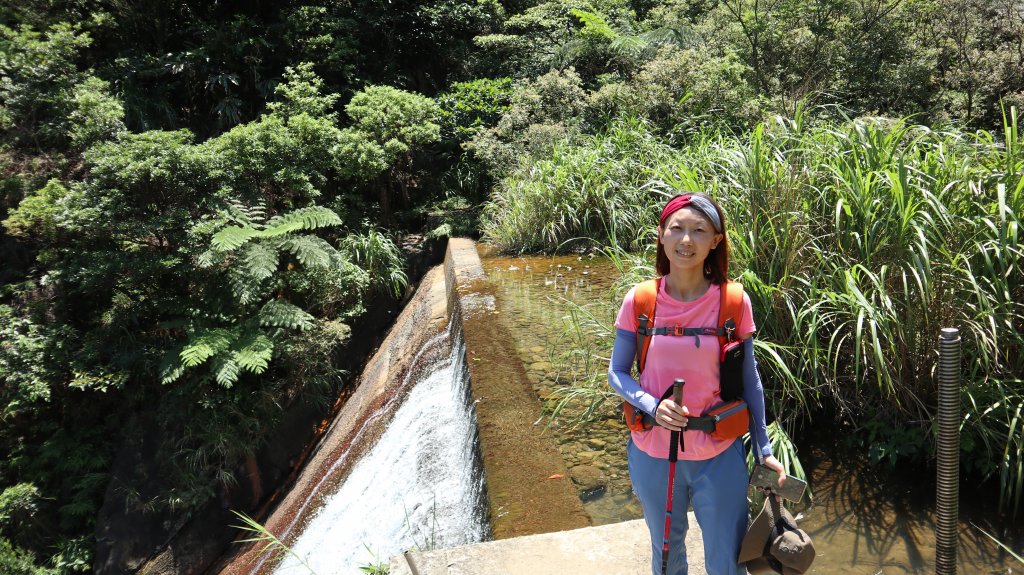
(948, 453)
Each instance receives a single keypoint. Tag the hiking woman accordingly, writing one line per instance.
(693, 263)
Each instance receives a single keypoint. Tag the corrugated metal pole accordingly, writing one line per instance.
(948, 453)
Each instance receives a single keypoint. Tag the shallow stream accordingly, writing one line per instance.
(862, 521)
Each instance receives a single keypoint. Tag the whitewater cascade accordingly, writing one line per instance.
(420, 486)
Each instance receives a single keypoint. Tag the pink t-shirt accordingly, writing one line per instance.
(671, 357)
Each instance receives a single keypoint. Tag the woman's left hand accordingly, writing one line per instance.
(775, 465)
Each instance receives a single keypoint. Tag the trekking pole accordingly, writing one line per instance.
(675, 442)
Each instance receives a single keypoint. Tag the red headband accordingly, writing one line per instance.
(699, 202)
(675, 204)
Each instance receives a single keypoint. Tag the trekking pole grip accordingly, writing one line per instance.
(677, 396)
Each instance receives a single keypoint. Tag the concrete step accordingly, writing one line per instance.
(615, 549)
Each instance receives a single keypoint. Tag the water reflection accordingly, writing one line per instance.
(862, 521)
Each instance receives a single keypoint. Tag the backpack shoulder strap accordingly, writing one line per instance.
(644, 303)
(729, 312)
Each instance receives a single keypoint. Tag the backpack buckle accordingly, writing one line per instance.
(730, 329)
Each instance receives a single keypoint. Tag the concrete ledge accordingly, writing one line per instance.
(615, 549)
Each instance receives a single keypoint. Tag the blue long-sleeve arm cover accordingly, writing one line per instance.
(753, 394)
(619, 376)
(621, 380)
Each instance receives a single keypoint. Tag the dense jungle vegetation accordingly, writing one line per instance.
(201, 200)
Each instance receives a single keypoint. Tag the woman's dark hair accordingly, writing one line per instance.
(716, 266)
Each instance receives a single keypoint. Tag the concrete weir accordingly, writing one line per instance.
(362, 419)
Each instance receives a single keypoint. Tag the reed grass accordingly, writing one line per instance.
(857, 241)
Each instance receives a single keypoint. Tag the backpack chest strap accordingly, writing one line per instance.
(678, 330)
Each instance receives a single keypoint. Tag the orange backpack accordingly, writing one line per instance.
(644, 305)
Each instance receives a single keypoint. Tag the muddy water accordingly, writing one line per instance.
(861, 521)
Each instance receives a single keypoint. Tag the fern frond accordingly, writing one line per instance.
(245, 214)
(209, 258)
(279, 313)
(206, 344)
(680, 36)
(260, 260)
(311, 251)
(226, 369)
(255, 353)
(245, 287)
(629, 45)
(171, 367)
(308, 218)
(231, 238)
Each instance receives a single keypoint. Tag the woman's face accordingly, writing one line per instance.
(688, 237)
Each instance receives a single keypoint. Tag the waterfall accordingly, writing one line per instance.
(421, 486)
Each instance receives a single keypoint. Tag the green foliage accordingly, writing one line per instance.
(28, 350)
(95, 115)
(16, 561)
(231, 238)
(550, 35)
(200, 282)
(471, 106)
(246, 343)
(542, 112)
(378, 254)
(595, 189)
(387, 124)
(38, 79)
(261, 535)
(302, 93)
(683, 90)
(18, 507)
(389, 115)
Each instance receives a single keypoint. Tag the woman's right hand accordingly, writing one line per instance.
(671, 415)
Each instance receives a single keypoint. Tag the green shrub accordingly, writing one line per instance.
(542, 112)
(471, 106)
(16, 561)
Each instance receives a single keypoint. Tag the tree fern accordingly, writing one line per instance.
(245, 287)
(279, 313)
(171, 367)
(205, 345)
(311, 251)
(233, 237)
(248, 249)
(254, 353)
(226, 370)
(260, 260)
(309, 218)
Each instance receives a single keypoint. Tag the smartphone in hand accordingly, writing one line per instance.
(792, 490)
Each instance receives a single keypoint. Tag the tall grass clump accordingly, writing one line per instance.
(591, 188)
(857, 241)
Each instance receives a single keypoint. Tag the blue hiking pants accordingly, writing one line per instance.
(717, 489)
